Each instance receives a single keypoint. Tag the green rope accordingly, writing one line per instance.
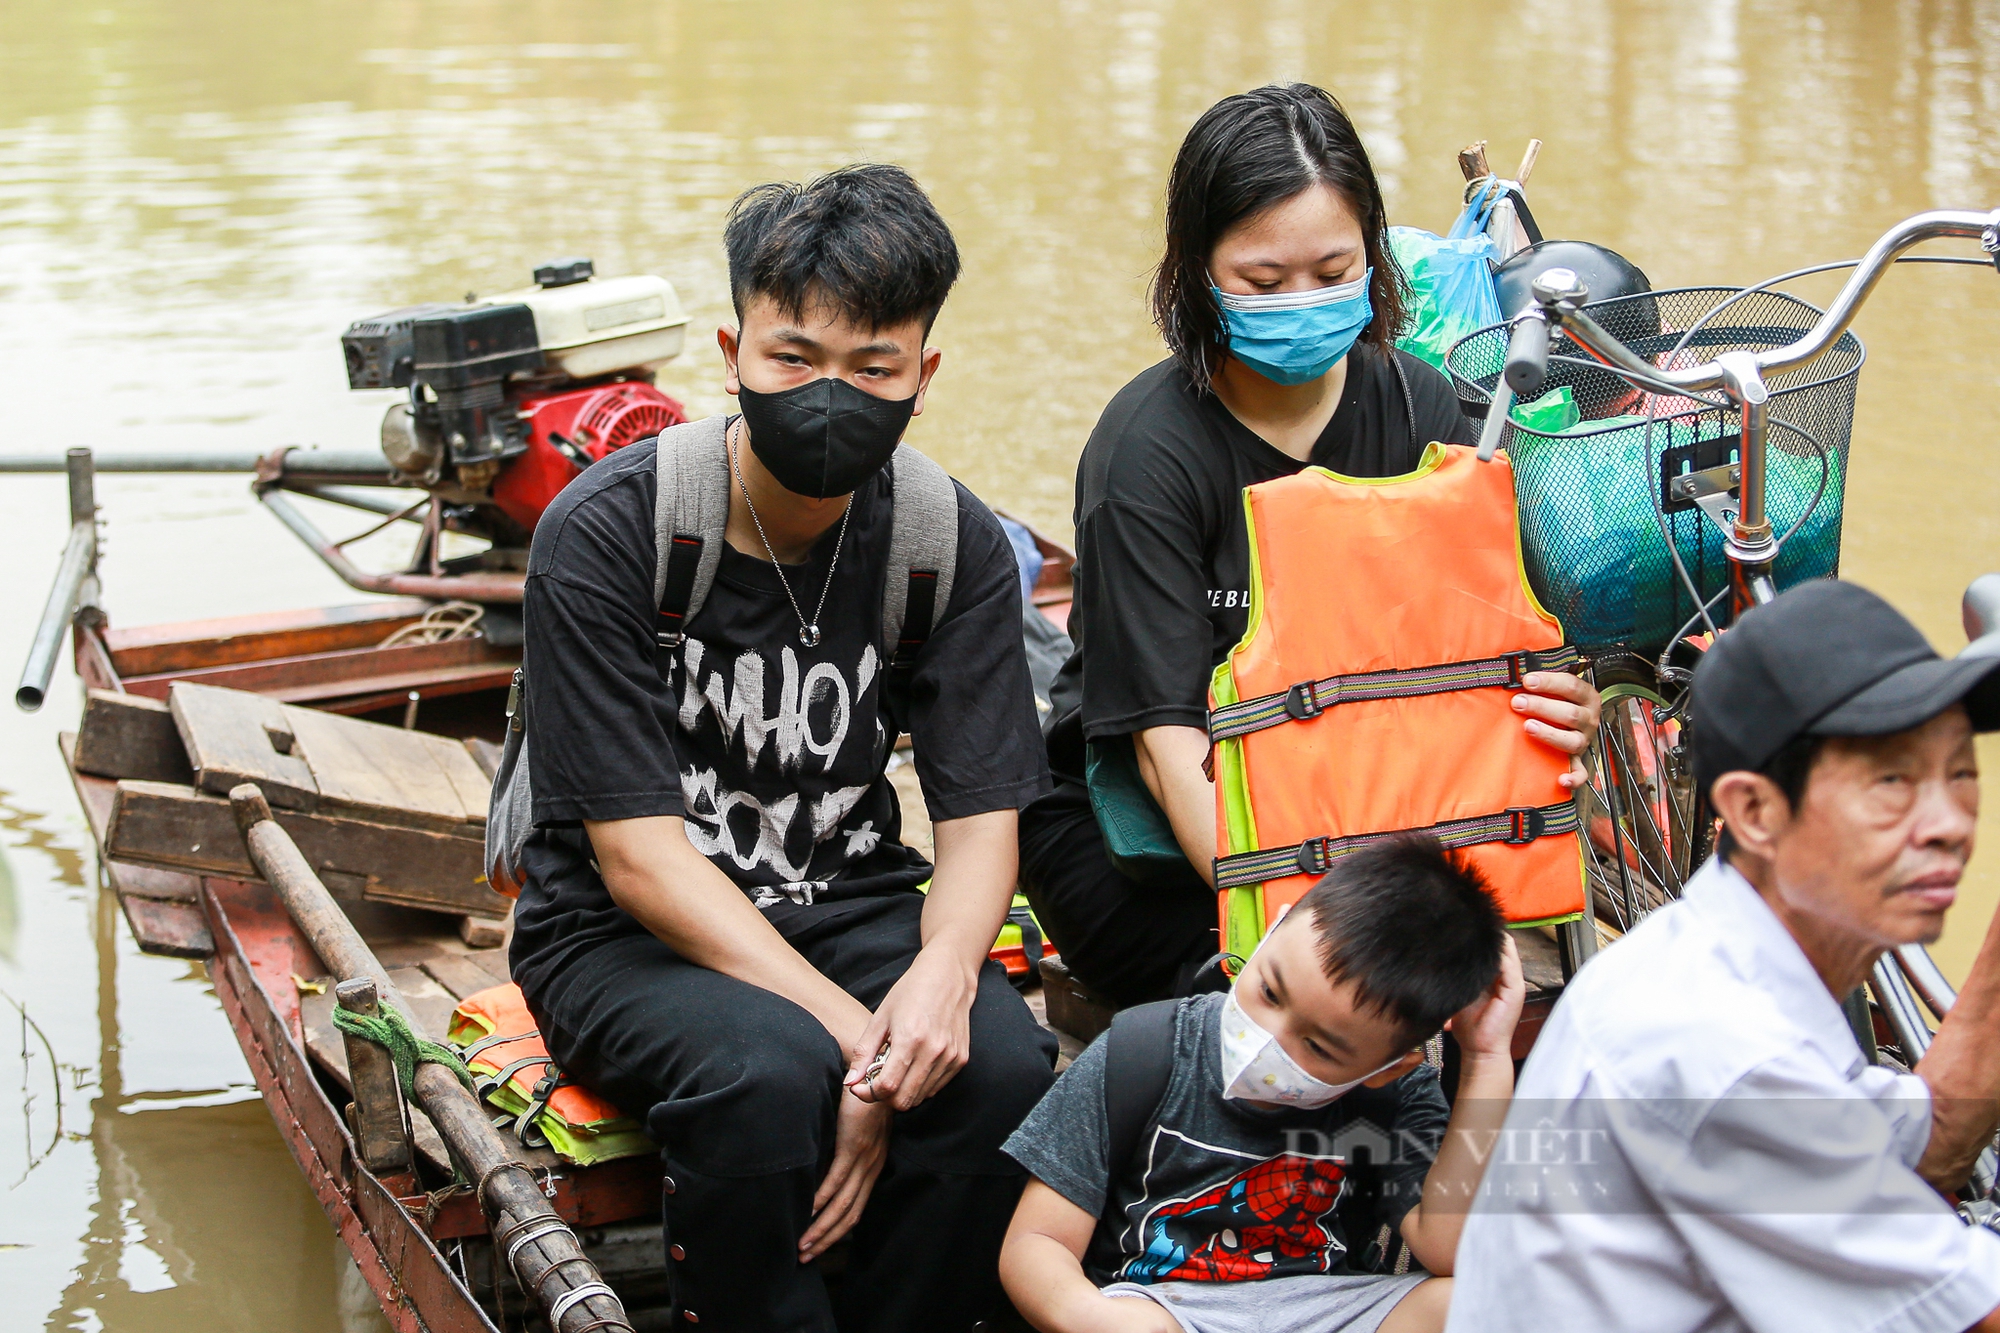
(391, 1031)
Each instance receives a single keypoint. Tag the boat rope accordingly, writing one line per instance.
(390, 1030)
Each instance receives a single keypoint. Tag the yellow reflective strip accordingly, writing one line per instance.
(1545, 921)
(1430, 461)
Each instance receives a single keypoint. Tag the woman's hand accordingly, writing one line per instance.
(860, 1148)
(926, 1022)
(1562, 712)
(1485, 1028)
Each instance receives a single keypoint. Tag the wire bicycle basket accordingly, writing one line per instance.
(1594, 496)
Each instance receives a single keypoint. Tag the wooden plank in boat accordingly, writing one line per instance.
(387, 775)
(176, 930)
(485, 754)
(130, 736)
(344, 671)
(161, 906)
(151, 649)
(233, 737)
(178, 828)
(393, 691)
(461, 976)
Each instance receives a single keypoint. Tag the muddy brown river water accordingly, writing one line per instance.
(196, 197)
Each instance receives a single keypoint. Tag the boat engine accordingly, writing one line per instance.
(512, 396)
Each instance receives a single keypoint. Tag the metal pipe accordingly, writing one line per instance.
(79, 562)
(354, 497)
(546, 1255)
(1926, 978)
(484, 587)
(344, 464)
(1899, 1006)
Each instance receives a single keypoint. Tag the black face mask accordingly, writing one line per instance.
(824, 437)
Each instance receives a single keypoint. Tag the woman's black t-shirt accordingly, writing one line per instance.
(1163, 557)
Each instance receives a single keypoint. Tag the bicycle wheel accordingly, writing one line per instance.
(1646, 830)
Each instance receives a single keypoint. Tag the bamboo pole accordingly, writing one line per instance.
(544, 1253)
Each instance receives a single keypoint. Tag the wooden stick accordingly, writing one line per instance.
(1472, 161)
(553, 1263)
(381, 1129)
(1528, 162)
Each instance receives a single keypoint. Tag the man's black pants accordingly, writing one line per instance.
(1129, 942)
(740, 1087)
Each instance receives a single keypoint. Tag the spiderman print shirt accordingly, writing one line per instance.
(1217, 1191)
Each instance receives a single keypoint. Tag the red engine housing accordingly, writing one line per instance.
(573, 425)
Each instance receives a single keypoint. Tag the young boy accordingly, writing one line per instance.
(720, 928)
(1243, 1205)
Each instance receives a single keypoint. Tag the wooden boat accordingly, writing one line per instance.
(420, 1241)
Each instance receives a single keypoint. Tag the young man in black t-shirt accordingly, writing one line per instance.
(720, 927)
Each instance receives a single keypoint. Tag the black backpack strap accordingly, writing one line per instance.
(919, 611)
(683, 562)
(1409, 403)
(1138, 1059)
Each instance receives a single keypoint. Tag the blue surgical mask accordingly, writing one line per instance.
(1294, 337)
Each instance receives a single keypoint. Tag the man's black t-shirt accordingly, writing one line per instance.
(772, 752)
(1163, 557)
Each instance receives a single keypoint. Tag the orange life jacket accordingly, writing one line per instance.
(500, 1038)
(1390, 624)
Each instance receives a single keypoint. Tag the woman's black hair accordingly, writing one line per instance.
(1247, 153)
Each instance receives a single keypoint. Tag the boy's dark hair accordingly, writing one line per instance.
(865, 239)
(1790, 768)
(1245, 154)
(1414, 927)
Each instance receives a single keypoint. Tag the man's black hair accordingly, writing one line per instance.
(1790, 768)
(1414, 927)
(1248, 153)
(865, 239)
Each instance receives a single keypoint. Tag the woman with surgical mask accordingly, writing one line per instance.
(1279, 302)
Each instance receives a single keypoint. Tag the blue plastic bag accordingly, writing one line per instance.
(1451, 281)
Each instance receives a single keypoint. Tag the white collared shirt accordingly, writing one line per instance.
(1697, 1144)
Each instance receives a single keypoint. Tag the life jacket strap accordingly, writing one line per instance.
(1310, 698)
(1516, 827)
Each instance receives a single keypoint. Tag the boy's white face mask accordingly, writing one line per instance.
(1255, 1067)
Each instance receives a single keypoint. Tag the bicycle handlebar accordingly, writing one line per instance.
(1591, 336)
(1528, 355)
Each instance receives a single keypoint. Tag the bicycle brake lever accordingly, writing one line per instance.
(1989, 241)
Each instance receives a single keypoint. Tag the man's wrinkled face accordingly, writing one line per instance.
(1883, 832)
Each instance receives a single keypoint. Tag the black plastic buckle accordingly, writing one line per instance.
(1519, 664)
(1315, 855)
(1524, 824)
(1302, 701)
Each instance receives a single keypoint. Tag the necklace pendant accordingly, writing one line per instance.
(809, 635)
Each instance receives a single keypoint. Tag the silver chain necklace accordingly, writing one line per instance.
(808, 630)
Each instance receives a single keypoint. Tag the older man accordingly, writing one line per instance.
(1697, 1142)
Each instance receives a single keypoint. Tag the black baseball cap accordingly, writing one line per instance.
(1826, 658)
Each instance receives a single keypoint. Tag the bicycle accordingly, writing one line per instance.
(1658, 826)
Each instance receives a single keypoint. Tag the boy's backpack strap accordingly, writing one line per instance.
(689, 517)
(1138, 1060)
(923, 555)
